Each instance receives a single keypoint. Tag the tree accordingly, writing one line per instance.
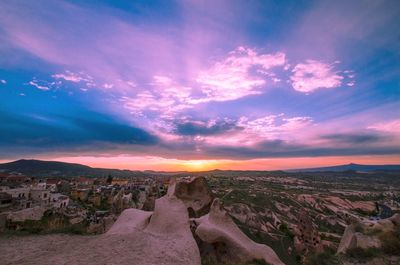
(109, 179)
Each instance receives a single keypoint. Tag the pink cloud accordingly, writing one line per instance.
(230, 79)
(312, 75)
(274, 126)
(108, 86)
(74, 77)
(392, 126)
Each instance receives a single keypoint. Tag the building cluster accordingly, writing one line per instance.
(90, 200)
(19, 192)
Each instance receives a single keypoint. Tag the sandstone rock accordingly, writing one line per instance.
(395, 219)
(230, 243)
(129, 221)
(195, 194)
(307, 237)
(246, 215)
(354, 239)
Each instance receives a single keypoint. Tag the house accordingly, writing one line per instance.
(83, 181)
(59, 200)
(42, 196)
(95, 199)
(40, 185)
(51, 184)
(5, 200)
(3, 177)
(16, 179)
(80, 194)
(20, 192)
(120, 182)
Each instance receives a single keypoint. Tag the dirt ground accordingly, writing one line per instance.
(104, 249)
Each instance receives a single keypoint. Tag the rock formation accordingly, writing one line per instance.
(195, 194)
(367, 234)
(150, 198)
(166, 230)
(230, 244)
(307, 238)
(353, 239)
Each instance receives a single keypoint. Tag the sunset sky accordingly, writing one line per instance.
(195, 85)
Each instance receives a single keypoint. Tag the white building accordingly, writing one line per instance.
(59, 200)
(21, 192)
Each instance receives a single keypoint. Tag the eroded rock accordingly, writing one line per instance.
(230, 244)
(194, 193)
(367, 234)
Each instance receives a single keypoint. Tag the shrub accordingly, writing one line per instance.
(210, 261)
(362, 254)
(284, 229)
(358, 228)
(391, 242)
(257, 262)
(326, 257)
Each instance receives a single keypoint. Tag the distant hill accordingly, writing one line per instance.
(350, 167)
(39, 168)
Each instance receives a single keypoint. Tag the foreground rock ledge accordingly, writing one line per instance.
(139, 237)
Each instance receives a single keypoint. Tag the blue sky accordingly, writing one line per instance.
(200, 84)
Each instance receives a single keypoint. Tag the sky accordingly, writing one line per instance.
(196, 85)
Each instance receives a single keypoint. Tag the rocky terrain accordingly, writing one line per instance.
(264, 219)
(304, 217)
(163, 236)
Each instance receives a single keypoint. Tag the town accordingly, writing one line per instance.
(79, 204)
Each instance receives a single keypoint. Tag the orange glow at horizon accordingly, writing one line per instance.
(166, 164)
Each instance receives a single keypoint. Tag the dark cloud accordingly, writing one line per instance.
(278, 148)
(354, 138)
(94, 133)
(193, 128)
(62, 132)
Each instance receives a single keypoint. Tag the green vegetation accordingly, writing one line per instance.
(361, 254)
(109, 179)
(50, 223)
(358, 228)
(275, 202)
(327, 257)
(365, 213)
(257, 262)
(285, 230)
(209, 261)
(391, 242)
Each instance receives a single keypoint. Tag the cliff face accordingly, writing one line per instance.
(163, 236)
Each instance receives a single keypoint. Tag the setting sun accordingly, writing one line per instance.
(199, 165)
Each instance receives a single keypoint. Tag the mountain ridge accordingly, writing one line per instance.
(348, 167)
(42, 168)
